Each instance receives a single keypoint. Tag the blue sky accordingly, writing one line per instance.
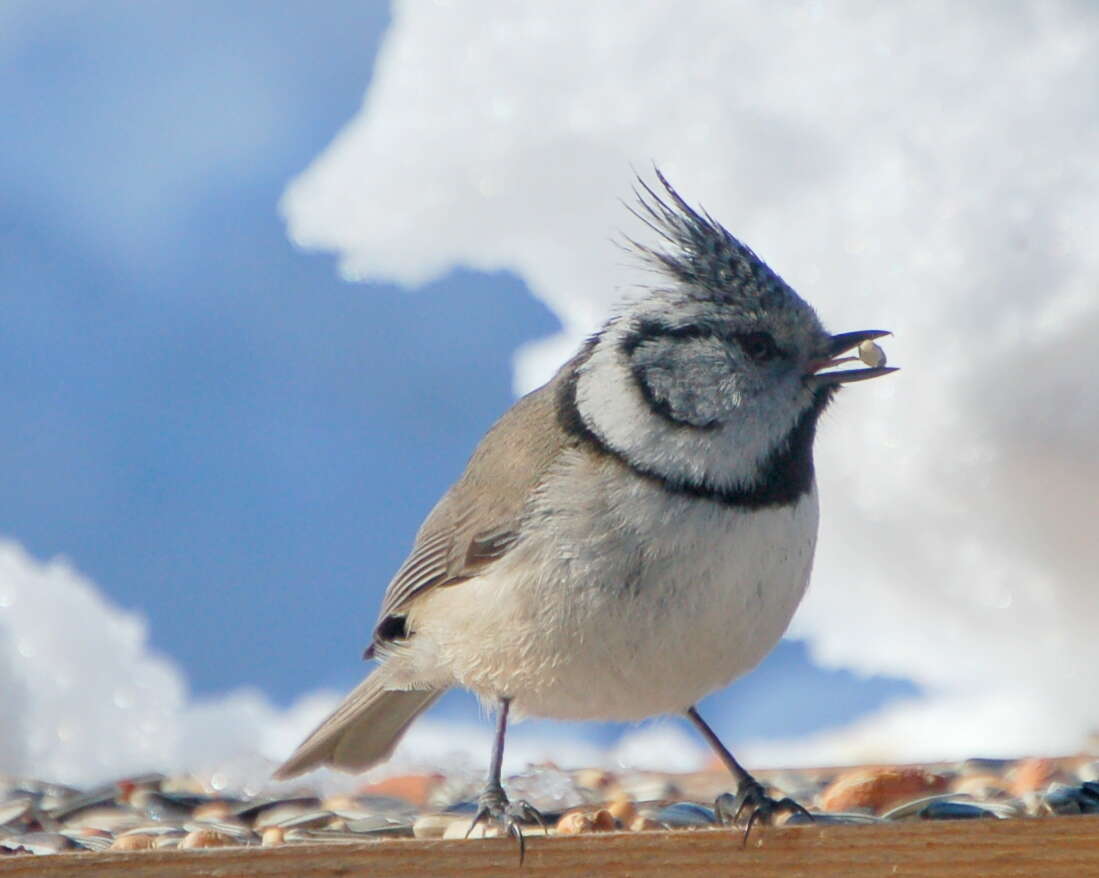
(206, 420)
(209, 422)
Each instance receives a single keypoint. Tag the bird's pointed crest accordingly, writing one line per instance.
(700, 252)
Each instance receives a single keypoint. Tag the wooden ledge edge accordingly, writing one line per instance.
(1050, 847)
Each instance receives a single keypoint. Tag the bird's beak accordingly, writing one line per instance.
(840, 344)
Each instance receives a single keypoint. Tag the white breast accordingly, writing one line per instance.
(620, 602)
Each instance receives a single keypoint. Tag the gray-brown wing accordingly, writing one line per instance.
(478, 519)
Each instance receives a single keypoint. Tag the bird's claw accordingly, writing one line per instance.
(752, 800)
(493, 804)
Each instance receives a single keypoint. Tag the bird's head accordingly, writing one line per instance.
(719, 366)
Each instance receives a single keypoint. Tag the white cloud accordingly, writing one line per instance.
(928, 168)
(939, 727)
(85, 692)
(86, 699)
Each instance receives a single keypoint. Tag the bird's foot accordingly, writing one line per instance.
(751, 801)
(493, 804)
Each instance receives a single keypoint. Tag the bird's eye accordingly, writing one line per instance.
(759, 346)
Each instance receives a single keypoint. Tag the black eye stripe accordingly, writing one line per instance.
(647, 330)
(759, 346)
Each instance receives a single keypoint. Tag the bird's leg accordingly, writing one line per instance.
(751, 799)
(493, 802)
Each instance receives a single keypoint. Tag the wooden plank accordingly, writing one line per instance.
(1049, 847)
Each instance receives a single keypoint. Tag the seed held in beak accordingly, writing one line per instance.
(868, 352)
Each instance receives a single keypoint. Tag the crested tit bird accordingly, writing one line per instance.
(629, 537)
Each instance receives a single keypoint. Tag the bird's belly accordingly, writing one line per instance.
(704, 610)
(606, 621)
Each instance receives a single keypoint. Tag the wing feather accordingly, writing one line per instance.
(480, 518)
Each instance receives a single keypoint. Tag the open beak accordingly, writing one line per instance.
(840, 344)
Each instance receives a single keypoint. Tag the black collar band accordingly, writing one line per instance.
(786, 474)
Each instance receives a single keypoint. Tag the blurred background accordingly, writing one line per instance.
(268, 273)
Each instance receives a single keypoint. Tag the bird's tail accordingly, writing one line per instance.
(362, 731)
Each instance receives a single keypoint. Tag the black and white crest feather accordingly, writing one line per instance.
(702, 253)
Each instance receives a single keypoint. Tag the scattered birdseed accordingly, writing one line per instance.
(154, 812)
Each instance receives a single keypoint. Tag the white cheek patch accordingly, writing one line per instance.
(608, 401)
(613, 408)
